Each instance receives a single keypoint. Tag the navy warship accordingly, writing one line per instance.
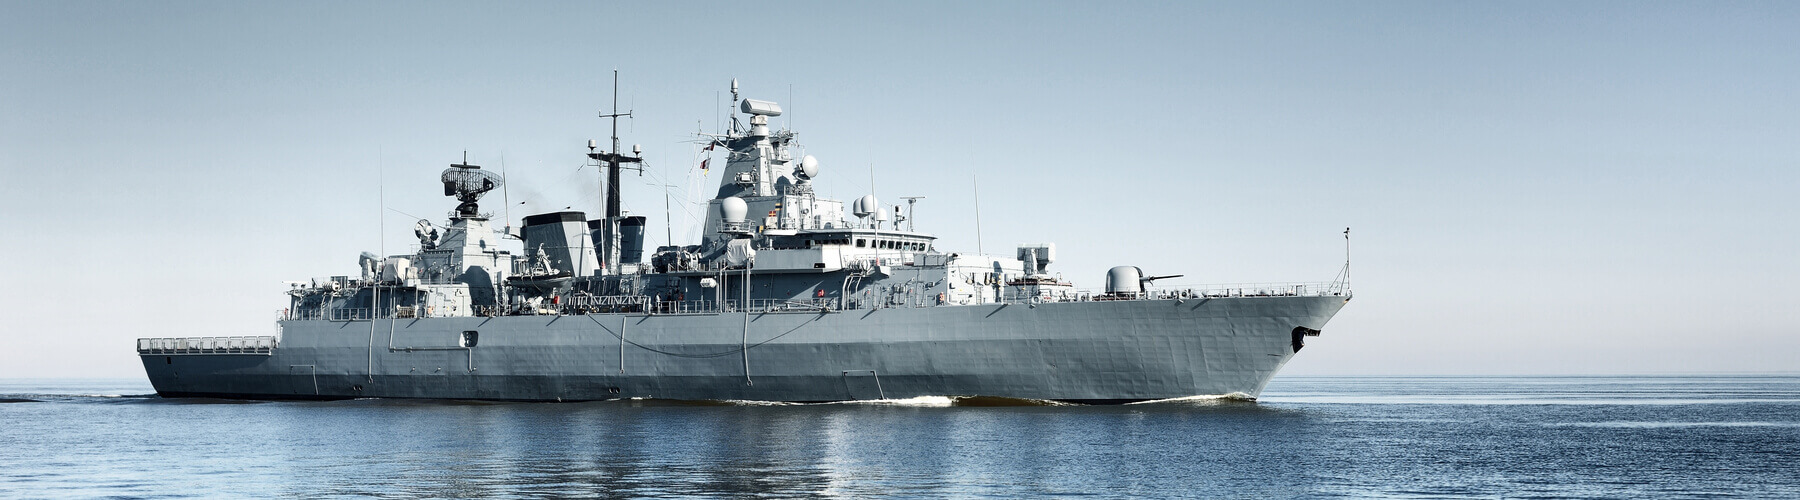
(786, 297)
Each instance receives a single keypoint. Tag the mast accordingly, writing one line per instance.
(609, 248)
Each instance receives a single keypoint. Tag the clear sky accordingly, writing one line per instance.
(1535, 188)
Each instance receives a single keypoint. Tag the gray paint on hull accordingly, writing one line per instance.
(1089, 351)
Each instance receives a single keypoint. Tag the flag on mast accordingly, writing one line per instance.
(708, 160)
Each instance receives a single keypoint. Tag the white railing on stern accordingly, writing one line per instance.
(207, 345)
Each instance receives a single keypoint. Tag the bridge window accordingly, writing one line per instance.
(861, 243)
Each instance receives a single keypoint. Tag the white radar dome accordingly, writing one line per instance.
(809, 167)
(733, 209)
(864, 206)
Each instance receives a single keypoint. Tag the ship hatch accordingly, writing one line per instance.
(469, 337)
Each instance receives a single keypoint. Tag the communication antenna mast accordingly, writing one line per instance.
(977, 184)
(735, 125)
(1346, 257)
(1342, 283)
(505, 197)
(668, 220)
(612, 159)
(911, 214)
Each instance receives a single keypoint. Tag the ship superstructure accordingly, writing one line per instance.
(788, 296)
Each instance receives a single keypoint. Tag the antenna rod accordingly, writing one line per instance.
(1346, 257)
(612, 182)
(507, 198)
(668, 220)
(977, 184)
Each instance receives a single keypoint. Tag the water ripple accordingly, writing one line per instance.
(1377, 437)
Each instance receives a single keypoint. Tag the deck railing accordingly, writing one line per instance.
(208, 345)
(856, 301)
(1316, 289)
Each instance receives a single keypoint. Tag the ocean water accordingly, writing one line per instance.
(1511, 437)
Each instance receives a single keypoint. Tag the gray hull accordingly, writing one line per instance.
(1107, 351)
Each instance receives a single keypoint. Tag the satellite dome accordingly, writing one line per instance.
(864, 206)
(881, 215)
(733, 209)
(809, 167)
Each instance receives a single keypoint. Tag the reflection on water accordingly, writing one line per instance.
(1307, 437)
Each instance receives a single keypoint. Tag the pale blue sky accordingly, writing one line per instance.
(1558, 188)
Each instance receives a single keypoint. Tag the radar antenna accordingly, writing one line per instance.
(467, 183)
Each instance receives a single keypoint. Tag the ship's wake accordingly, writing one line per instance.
(1235, 397)
(1005, 401)
(914, 402)
(918, 401)
(921, 401)
(984, 401)
(56, 397)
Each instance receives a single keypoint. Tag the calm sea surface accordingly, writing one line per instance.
(1308, 437)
